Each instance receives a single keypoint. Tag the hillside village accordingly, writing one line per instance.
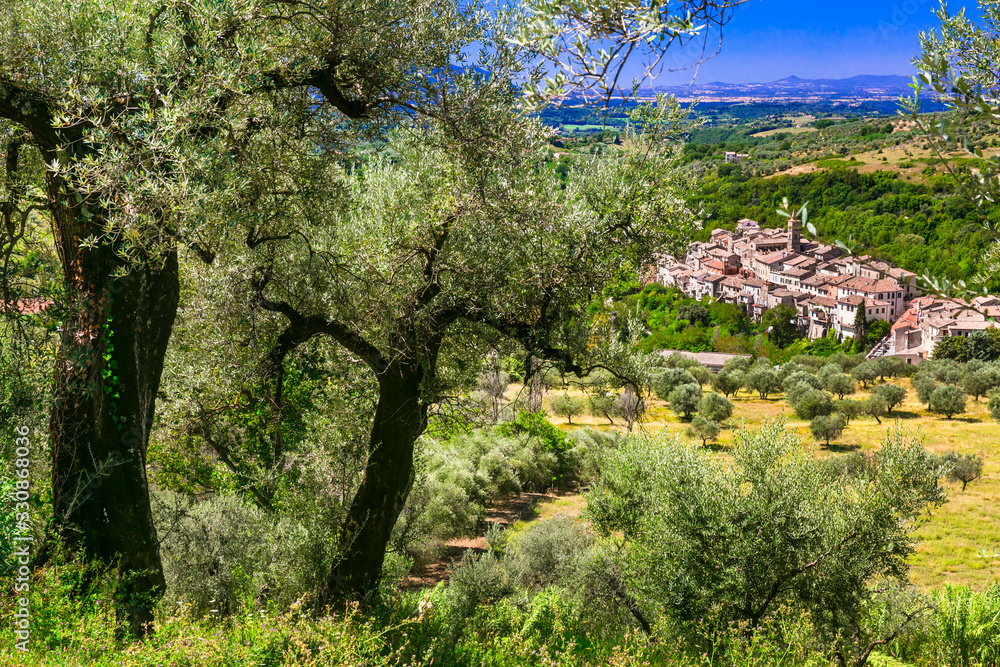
(760, 269)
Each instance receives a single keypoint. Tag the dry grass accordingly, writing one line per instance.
(952, 537)
(789, 130)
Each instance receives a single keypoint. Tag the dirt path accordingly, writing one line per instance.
(507, 513)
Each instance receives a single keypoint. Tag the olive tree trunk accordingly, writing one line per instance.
(400, 418)
(108, 369)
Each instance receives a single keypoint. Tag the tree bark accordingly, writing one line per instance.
(400, 418)
(107, 372)
(113, 343)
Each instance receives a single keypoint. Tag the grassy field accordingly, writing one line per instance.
(907, 159)
(951, 538)
(789, 130)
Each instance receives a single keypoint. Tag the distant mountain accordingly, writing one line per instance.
(793, 88)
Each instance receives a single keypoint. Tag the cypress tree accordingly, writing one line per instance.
(861, 327)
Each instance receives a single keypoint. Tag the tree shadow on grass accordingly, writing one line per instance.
(902, 414)
(839, 448)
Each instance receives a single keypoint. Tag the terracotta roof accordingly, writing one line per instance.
(823, 301)
(816, 280)
(973, 325)
(771, 258)
(865, 284)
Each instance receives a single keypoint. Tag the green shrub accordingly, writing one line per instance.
(214, 552)
(478, 578)
(550, 552)
(589, 447)
(994, 404)
(963, 631)
(690, 522)
(541, 435)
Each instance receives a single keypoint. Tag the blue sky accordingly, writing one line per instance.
(771, 39)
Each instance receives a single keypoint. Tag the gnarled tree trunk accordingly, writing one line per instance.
(114, 340)
(400, 418)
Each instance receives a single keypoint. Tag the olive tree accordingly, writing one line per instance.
(875, 406)
(963, 468)
(948, 400)
(567, 35)
(840, 384)
(959, 63)
(762, 379)
(704, 429)
(684, 399)
(924, 384)
(801, 377)
(849, 408)
(977, 383)
(892, 394)
(129, 127)
(827, 427)
(728, 382)
(567, 406)
(865, 373)
(419, 258)
(812, 403)
(602, 404)
(666, 380)
(715, 407)
(689, 523)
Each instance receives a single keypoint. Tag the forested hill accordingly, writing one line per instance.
(919, 226)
